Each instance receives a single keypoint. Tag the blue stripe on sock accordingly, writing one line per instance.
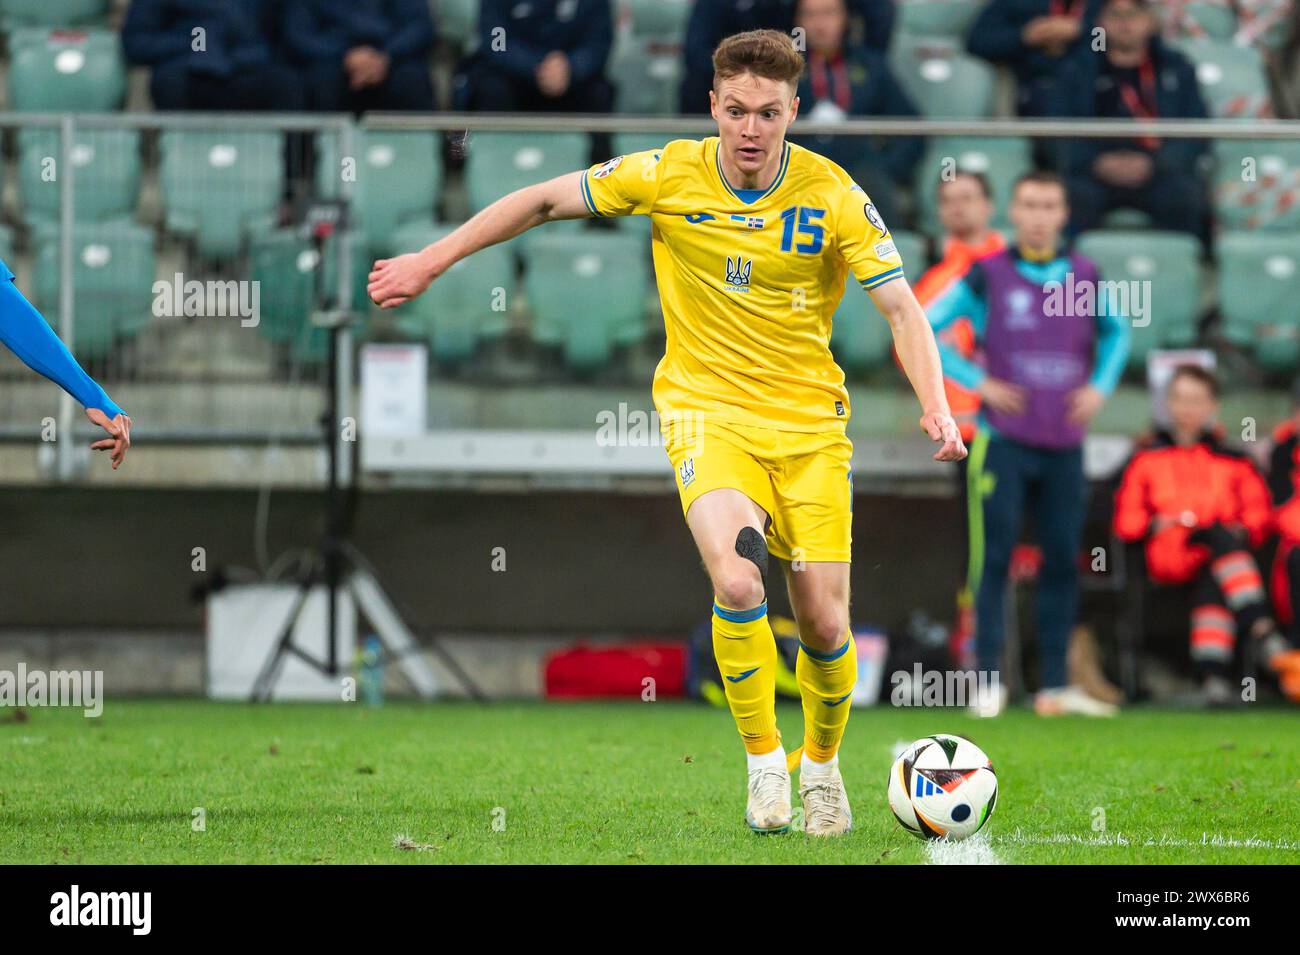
(824, 657)
(741, 616)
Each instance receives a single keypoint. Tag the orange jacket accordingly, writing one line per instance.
(1197, 486)
(957, 259)
(1284, 481)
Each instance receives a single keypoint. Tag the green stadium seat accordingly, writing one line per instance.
(625, 143)
(73, 71)
(663, 20)
(283, 263)
(398, 180)
(936, 17)
(7, 246)
(498, 163)
(860, 336)
(1001, 160)
(1170, 262)
(218, 187)
(52, 13)
(1270, 197)
(112, 280)
(942, 80)
(1232, 78)
(1218, 20)
(587, 294)
(457, 22)
(106, 177)
(468, 304)
(645, 77)
(1258, 285)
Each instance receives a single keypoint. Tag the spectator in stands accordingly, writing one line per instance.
(1034, 38)
(1136, 77)
(871, 24)
(362, 55)
(1200, 508)
(844, 80)
(1049, 365)
(539, 56)
(209, 55)
(1284, 484)
(965, 206)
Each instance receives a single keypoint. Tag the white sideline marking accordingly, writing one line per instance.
(973, 851)
(1097, 840)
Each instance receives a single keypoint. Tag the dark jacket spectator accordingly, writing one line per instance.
(1034, 38)
(209, 54)
(871, 24)
(362, 54)
(541, 55)
(1137, 77)
(844, 80)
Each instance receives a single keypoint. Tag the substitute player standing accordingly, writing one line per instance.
(752, 238)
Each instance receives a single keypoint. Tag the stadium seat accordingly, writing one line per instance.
(1170, 263)
(950, 18)
(860, 336)
(468, 304)
(1232, 78)
(217, 187)
(73, 71)
(941, 79)
(587, 294)
(1257, 184)
(7, 246)
(457, 22)
(106, 176)
(398, 180)
(625, 143)
(498, 163)
(1258, 286)
(112, 279)
(1001, 160)
(283, 263)
(52, 13)
(645, 77)
(1216, 20)
(663, 20)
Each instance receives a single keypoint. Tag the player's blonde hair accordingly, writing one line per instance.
(766, 53)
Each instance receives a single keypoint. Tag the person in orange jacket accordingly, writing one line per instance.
(965, 207)
(1200, 508)
(1284, 483)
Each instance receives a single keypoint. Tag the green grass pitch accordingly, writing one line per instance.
(613, 782)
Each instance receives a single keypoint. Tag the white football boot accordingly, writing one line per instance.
(1064, 700)
(768, 809)
(825, 804)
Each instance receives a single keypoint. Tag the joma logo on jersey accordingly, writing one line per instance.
(738, 270)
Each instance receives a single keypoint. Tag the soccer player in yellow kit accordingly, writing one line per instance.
(752, 239)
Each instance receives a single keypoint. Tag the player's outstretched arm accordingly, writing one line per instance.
(398, 280)
(914, 342)
(26, 333)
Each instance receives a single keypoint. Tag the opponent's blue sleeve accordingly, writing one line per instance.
(30, 337)
(1112, 348)
(960, 300)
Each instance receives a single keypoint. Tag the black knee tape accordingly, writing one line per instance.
(751, 546)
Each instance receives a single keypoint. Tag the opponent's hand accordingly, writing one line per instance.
(941, 428)
(1002, 395)
(396, 281)
(119, 430)
(1084, 403)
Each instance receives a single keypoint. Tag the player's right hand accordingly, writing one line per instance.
(119, 439)
(396, 281)
(942, 428)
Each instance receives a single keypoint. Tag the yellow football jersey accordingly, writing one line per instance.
(749, 279)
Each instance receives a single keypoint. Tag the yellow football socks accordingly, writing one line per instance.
(746, 653)
(826, 683)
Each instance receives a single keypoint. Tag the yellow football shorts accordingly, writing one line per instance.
(803, 481)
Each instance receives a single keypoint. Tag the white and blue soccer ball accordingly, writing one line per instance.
(942, 787)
